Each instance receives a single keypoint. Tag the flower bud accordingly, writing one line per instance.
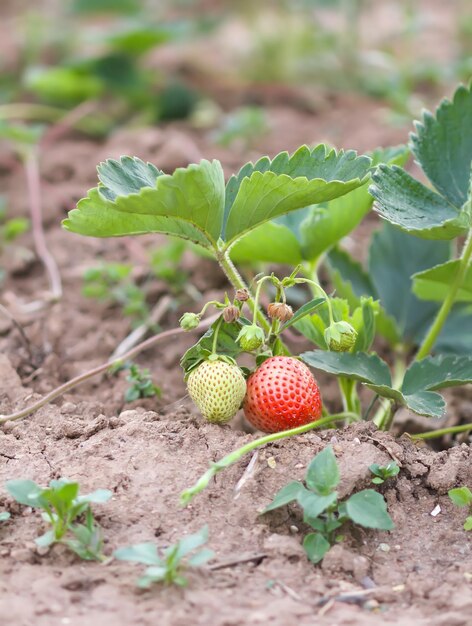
(189, 321)
(231, 313)
(279, 311)
(340, 336)
(250, 338)
(242, 295)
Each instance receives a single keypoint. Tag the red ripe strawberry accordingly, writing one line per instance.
(282, 394)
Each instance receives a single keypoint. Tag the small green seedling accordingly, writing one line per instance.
(4, 516)
(322, 510)
(462, 496)
(167, 566)
(141, 385)
(383, 472)
(62, 508)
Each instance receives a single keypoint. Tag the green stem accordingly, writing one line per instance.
(315, 287)
(236, 280)
(446, 306)
(384, 416)
(433, 434)
(215, 336)
(187, 495)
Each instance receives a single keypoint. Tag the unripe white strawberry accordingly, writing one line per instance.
(218, 389)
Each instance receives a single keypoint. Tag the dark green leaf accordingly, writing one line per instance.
(369, 509)
(368, 368)
(322, 475)
(437, 372)
(393, 257)
(287, 494)
(315, 546)
(442, 145)
(407, 203)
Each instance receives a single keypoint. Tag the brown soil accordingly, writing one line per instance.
(147, 452)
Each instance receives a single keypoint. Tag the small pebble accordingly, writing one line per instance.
(384, 547)
(271, 462)
(294, 529)
(436, 511)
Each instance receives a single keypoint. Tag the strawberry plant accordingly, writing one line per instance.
(69, 514)
(462, 496)
(167, 566)
(4, 516)
(324, 512)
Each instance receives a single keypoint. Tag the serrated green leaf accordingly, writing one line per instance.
(125, 177)
(407, 203)
(426, 403)
(434, 284)
(322, 475)
(315, 546)
(96, 217)
(437, 372)
(442, 145)
(461, 496)
(369, 509)
(367, 368)
(268, 189)
(468, 523)
(187, 202)
(284, 496)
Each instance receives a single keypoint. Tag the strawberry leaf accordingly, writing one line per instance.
(315, 546)
(407, 203)
(442, 145)
(265, 190)
(367, 368)
(434, 284)
(322, 475)
(438, 372)
(192, 195)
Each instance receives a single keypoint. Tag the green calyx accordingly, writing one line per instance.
(251, 338)
(340, 336)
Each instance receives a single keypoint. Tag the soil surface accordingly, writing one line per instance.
(147, 452)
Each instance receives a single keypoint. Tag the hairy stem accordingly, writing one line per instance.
(442, 314)
(187, 495)
(78, 380)
(237, 281)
